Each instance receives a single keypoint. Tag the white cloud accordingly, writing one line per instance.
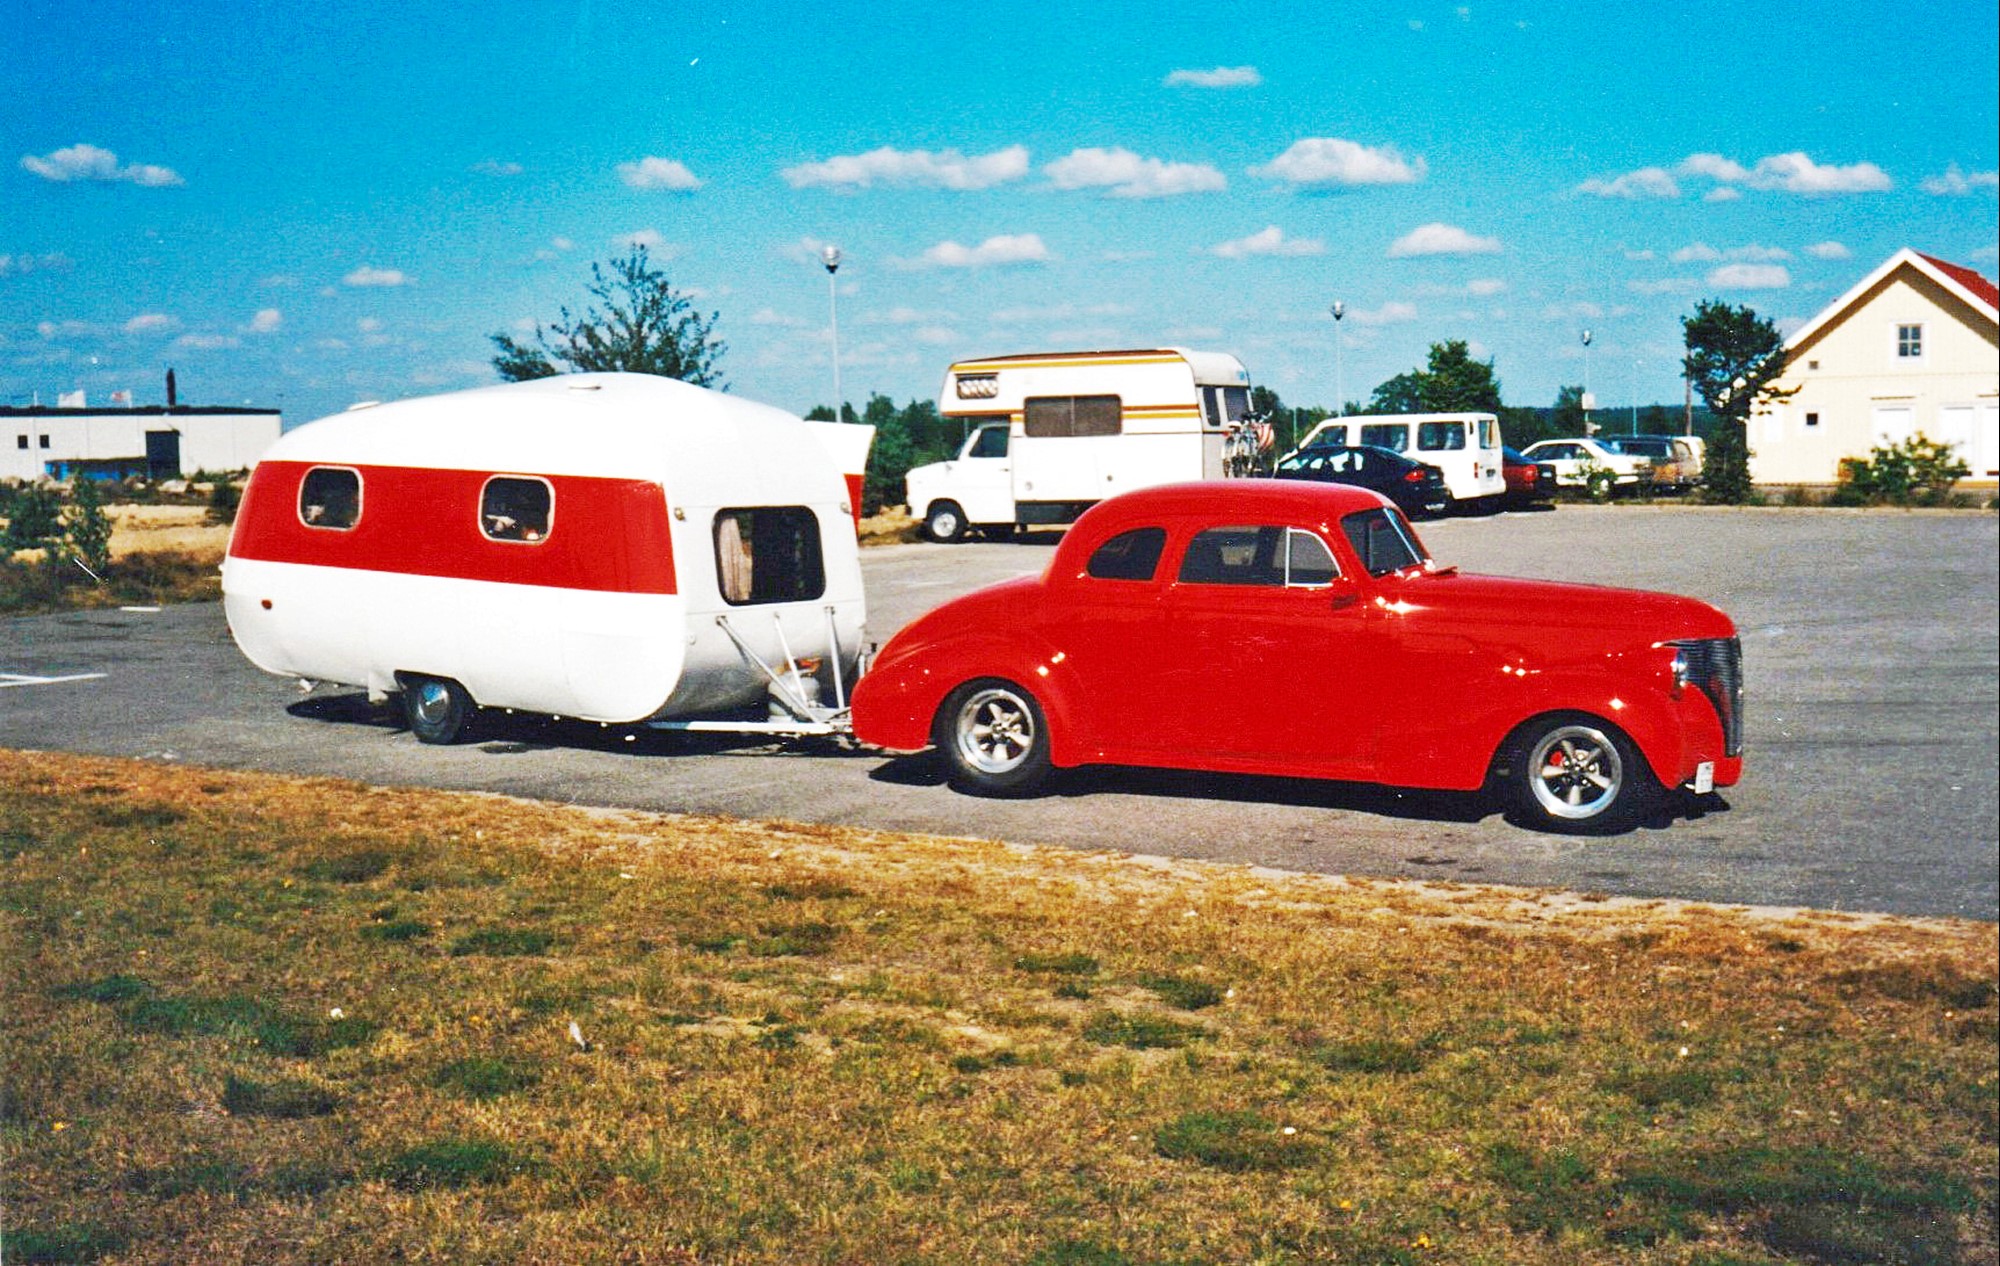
(278, 281)
(1956, 184)
(934, 335)
(206, 342)
(1220, 77)
(1722, 193)
(1665, 286)
(1060, 312)
(494, 167)
(1127, 175)
(1829, 250)
(648, 240)
(1638, 255)
(1647, 182)
(1699, 253)
(31, 263)
(1582, 310)
(367, 275)
(1010, 248)
(1485, 286)
(946, 169)
(1441, 239)
(65, 329)
(1791, 172)
(658, 173)
(266, 321)
(369, 325)
(1330, 161)
(151, 323)
(771, 316)
(1269, 241)
(1703, 253)
(1392, 313)
(88, 162)
(1750, 277)
(904, 315)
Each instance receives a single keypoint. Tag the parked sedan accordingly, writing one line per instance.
(1300, 628)
(1417, 488)
(1671, 462)
(1575, 458)
(1528, 482)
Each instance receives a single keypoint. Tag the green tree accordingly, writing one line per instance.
(35, 519)
(1450, 382)
(1568, 416)
(1732, 357)
(87, 527)
(1402, 394)
(639, 324)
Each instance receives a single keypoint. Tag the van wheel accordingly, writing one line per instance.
(945, 523)
(437, 708)
(1575, 774)
(993, 737)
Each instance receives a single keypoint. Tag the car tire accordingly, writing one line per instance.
(1575, 774)
(437, 708)
(944, 522)
(993, 738)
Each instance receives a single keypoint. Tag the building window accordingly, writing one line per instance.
(330, 497)
(23, 441)
(768, 554)
(1812, 419)
(514, 508)
(1909, 342)
(1051, 416)
(45, 441)
(1812, 364)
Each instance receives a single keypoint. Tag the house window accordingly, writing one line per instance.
(23, 441)
(768, 554)
(330, 497)
(1812, 364)
(1051, 416)
(45, 441)
(1909, 342)
(1812, 419)
(514, 508)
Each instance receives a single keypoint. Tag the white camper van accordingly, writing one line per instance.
(1465, 446)
(1053, 433)
(610, 547)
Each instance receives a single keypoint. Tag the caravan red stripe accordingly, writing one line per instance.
(604, 534)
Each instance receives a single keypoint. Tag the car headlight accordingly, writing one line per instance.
(1682, 673)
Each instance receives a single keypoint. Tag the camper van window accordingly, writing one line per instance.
(330, 497)
(1390, 435)
(978, 386)
(1222, 405)
(1129, 555)
(1047, 417)
(768, 554)
(512, 508)
(989, 441)
(1435, 436)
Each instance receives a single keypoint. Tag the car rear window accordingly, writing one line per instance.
(1132, 555)
(1382, 541)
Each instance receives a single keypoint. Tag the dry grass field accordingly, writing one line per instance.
(258, 1019)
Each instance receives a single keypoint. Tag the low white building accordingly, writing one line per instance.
(1913, 348)
(158, 441)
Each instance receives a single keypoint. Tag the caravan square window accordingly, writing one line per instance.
(330, 497)
(516, 508)
(1053, 416)
(768, 554)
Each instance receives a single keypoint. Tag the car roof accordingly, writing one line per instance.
(1222, 497)
(1354, 448)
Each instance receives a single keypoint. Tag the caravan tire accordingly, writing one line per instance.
(945, 522)
(437, 708)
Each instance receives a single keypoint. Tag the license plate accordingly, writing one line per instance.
(1704, 778)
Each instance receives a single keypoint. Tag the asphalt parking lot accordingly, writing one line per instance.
(1872, 658)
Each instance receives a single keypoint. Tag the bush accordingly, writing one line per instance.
(223, 501)
(34, 519)
(87, 527)
(1919, 471)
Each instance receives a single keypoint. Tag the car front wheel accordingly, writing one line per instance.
(1576, 774)
(993, 737)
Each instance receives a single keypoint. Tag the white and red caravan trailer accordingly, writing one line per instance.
(612, 547)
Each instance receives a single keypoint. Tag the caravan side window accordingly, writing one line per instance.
(1051, 416)
(768, 554)
(516, 508)
(330, 497)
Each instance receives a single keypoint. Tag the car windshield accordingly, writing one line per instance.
(1384, 542)
(1637, 446)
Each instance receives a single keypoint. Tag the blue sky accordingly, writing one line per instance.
(308, 205)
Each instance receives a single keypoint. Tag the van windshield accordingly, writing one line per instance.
(1390, 435)
(988, 441)
(1383, 541)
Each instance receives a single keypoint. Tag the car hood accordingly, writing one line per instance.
(1552, 609)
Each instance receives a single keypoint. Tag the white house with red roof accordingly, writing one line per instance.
(1914, 348)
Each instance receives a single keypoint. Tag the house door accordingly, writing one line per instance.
(1894, 423)
(163, 454)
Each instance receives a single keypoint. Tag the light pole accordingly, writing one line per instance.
(1339, 310)
(1588, 428)
(1637, 365)
(830, 256)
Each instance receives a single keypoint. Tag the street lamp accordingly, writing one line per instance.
(830, 256)
(1588, 428)
(1339, 310)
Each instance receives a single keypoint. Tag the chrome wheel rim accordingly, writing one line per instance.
(995, 731)
(944, 523)
(433, 702)
(1575, 772)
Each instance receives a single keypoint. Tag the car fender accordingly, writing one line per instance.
(1656, 722)
(895, 704)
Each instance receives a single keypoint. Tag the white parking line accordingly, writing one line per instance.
(18, 679)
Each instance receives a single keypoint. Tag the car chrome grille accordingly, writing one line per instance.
(1716, 666)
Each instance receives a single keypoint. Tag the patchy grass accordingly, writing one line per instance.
(256, 1018)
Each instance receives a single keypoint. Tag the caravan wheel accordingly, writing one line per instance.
(437, 709)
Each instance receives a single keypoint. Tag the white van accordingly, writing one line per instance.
(1053, 433)
(1465, 446)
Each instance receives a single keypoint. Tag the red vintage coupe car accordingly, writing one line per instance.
(1301, 629)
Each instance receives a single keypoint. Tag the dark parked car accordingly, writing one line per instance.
(1417, 489)
(1527, 481)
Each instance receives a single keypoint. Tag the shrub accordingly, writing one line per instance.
(223, 501)
(87, 527)
(1918, 471)
(34, 520)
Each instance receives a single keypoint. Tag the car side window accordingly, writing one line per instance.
(1308, 562)
(1132, 555)
(1234, 556)
(992, 442)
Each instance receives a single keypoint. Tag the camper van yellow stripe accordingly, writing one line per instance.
(1066, 358)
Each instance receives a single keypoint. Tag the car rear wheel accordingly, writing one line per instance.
(437, 709)
(993, 737)
(1574, 773)
(945, 523)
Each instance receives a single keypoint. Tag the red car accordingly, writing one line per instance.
(1528, 481)
(1276, 627)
